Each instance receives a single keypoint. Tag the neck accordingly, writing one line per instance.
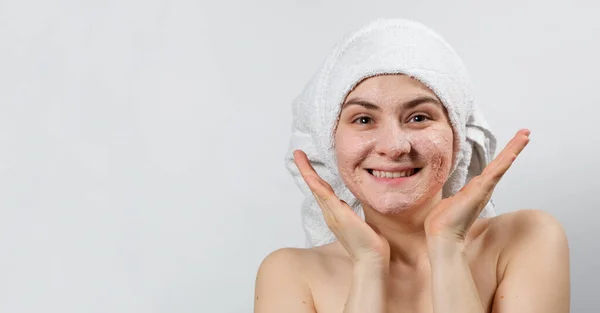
(405, 233)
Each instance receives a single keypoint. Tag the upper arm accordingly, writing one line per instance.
(537, 275)
(280, 285)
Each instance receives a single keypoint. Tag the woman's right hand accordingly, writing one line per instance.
(361, 242)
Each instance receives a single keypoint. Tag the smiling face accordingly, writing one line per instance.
(393, 143)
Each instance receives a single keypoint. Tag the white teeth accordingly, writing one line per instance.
(383, 174)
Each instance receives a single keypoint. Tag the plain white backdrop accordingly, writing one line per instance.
(142, 142)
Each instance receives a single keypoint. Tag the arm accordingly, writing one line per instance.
(367, 292)
(536, 279)
(537, 275)
(447, 226)
(453, 288)
(368, 250)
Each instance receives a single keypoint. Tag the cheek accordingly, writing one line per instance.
(435, 147)
(349, 147)
(351, 150)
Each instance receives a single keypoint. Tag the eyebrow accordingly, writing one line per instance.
(406, 105)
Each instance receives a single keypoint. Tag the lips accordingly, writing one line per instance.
(394, 179)
(402, 173)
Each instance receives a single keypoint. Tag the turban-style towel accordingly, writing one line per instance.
(385, 46)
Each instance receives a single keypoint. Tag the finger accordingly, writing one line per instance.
(335, 211)
(480, 188)
(302, 162)
(500, 165)
(323, 192)
(325, 209)
(310, 175)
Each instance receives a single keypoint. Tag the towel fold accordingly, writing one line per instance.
(385, 46)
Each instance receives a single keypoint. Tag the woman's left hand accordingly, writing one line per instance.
(453, 216)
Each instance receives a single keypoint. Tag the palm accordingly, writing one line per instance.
(453, 216)
(358, 238)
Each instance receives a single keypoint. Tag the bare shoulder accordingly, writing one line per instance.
(283, 279)
(280, 283)
(516, 230)
(527, 220)
(534, 262)
(520, 227)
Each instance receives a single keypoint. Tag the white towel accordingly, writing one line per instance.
(385, 46)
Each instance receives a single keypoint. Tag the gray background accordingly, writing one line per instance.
(142, 142)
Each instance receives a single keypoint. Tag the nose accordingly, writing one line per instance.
(393, 143)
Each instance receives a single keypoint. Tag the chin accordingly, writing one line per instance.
(400, 202)
(393, 204)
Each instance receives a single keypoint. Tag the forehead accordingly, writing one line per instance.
(393, 86)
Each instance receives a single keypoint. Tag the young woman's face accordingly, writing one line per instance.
(394, 143)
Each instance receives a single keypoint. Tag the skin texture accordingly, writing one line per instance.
(415, 252)
(392, 136)
(519, 262)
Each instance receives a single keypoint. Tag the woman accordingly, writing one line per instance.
(402, 137)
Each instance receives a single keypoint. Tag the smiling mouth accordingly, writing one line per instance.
(383, 174)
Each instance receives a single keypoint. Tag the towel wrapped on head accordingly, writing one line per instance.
(385, 46)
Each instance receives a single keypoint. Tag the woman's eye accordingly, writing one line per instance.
(363, 120)
(419, 118)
